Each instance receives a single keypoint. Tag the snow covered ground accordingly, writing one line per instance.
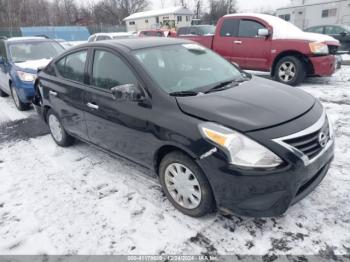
(82, 201)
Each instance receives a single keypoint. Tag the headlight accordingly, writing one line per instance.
(26, 77)
(241, 150)
(318, 48)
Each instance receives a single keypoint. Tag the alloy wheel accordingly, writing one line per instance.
(287, 71)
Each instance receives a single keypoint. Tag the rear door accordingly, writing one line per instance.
(66, 91)
(251, 51)
(224, 39)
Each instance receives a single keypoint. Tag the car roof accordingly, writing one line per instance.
(114, 34)
(141, 43)
(27, 39)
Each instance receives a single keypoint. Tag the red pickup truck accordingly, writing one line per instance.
(267, 43)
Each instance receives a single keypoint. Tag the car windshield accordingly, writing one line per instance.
(208, 29)
(186, 67)
(21, 52)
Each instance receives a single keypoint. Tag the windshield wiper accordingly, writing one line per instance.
(226, 85)
(184, 93)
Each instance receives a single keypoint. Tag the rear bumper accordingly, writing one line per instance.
(324, 65)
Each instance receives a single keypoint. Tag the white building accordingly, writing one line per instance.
(307, 13)
(169, 18)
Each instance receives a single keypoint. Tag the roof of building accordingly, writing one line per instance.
(166, 11)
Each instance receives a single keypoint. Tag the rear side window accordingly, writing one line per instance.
(318, 29)
(228, 27)
(72, 66)
(182, 31)
(249, 28)
(110, 71)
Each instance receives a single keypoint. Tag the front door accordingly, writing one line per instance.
(117, 126)
(251, 51)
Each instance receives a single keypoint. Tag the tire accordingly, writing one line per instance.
(3, 94)
(290, 70)
(59, 135)
(18, 103)
(194, 185)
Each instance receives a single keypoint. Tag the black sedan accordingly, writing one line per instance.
(217, 137)
(339, 32)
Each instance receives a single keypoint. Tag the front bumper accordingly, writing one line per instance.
(25, 91)
(324, 65)
(263, 193)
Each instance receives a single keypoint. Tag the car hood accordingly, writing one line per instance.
(33, 65)
(255, 104)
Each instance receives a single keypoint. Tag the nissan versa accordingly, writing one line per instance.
(219, 138)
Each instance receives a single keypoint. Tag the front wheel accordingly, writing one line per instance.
(290, 70)
(18, 103)
(185, 185)
(59, 135)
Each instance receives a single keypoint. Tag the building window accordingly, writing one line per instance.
(285, 17)
(146, 21)
(188, 18)
(329, 12)
(179, 18)
(157, 19)
(132, 23)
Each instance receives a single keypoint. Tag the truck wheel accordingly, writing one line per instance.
(18, 103)
(3, 94)
(185, 185)
(290, 70)
(59, 135)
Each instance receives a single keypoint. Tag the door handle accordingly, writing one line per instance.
(237, 42)
(53, 93)
(92, 106)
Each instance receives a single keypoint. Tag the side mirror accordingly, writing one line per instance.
(344, 33)
(128, 92)
(263, 32)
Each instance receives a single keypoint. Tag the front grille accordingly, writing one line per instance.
(333, 49)
(310, 144)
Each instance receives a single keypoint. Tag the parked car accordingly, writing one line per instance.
(196, 30)
(268, 43)
(339, 32)
(216, 136)
(110, 36)
(20, 59)
(157, 33)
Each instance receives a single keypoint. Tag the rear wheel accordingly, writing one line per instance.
(185, 185)
(18, 103)
(290, 70)
(59, 135)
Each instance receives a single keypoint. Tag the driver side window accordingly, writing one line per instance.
(249, 28)
(110, 71)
